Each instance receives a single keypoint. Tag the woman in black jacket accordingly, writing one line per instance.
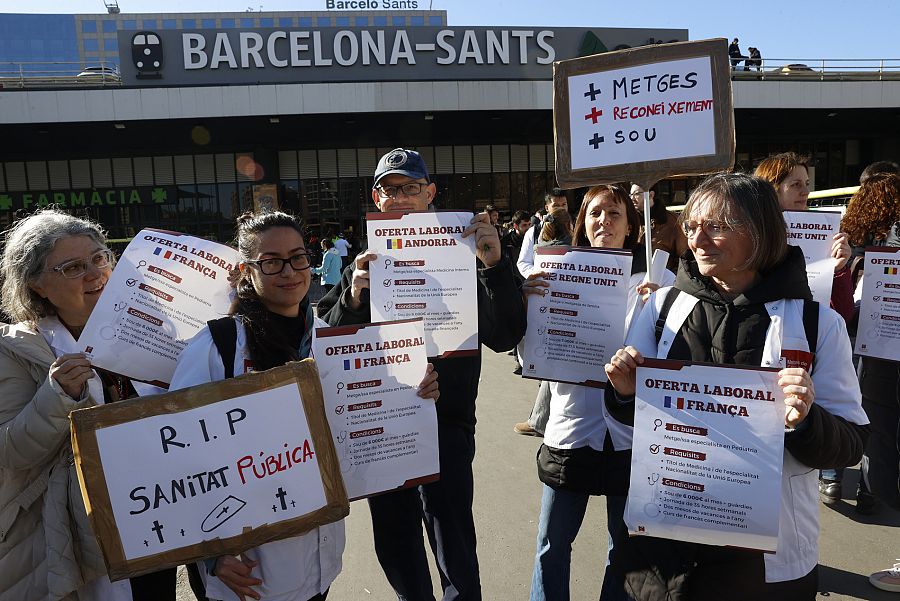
(749, 290)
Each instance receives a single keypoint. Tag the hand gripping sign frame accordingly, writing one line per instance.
(95, 488)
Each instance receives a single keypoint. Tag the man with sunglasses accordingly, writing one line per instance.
(402, 184)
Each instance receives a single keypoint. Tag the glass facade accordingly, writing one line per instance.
(330, 188)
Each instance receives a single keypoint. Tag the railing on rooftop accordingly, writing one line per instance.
(59, 74)
(824, 69)
(106, 74)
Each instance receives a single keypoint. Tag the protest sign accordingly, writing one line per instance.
(576, 326)
(643, 114)
(878, 333)
(707, 454)
(164, 289)
(813, 232)
(208, 470)
(385, 434)
(425, 268)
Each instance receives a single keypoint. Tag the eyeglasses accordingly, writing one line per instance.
(274, 266)
(713, 229)
(78, 267)
(410, 189)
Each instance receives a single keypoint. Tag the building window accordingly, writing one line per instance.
(228, 23)
(88, 27)
(286, 22)
(267, 22)
(398, 21)
(91, 45)
(323, 21)
(305, 21)
(129, 24)
(170, 24)
(379, 21)
(209, 23)
(435, 20)
(248, 22)
(111, 45)
(149, 23)
(417, 20)
(109, 26)
(189, 23)
(360, 21)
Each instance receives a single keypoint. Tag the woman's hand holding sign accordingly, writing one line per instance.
(799, 393)
(235, 573)
(71, 372)
(621, 370)
(428, 389)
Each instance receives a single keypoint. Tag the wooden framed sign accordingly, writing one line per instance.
(208, 470)
(643, 114)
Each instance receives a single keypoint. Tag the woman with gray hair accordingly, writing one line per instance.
(53, 269)
(741, 298)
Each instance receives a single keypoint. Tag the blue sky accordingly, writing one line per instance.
(789, 29)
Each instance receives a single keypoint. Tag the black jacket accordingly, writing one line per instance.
(501, 324)
(730, 333)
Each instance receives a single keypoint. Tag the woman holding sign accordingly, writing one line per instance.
(54, 268)
(272, 323)
(584, 452)
(789, 173)
(738, 300)
(873, 219)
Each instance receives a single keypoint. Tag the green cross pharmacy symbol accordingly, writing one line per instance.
(158, 195)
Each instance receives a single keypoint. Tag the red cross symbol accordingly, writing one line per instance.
(593, 114)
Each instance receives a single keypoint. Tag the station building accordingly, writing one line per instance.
(186, 120)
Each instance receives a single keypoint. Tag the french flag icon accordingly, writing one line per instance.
(348, 364)
(667, 402)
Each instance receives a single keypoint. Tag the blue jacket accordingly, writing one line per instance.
(330, 269)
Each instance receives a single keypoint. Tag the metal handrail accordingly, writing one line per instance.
(25, 74)
(817, 68)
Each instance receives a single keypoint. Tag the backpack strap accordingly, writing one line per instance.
(224, 335)
(811, 327)
(664, 312)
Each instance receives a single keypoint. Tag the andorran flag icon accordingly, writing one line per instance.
(394, 243)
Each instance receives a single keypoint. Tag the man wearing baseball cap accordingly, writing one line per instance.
(402, 184)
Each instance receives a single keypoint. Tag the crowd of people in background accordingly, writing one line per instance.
(731, 276)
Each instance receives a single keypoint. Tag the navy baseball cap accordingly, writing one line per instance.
(403, 162)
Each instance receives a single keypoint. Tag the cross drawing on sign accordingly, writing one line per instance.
(158, 528)
(281, 494)
(593, 114)
(596, 141)
(592, 93)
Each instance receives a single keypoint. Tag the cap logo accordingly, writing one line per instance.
(396, 159)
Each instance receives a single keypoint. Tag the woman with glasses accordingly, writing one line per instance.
(664, 231)
(740, 297)
(54, 268)
(271, 323)
(584, 452)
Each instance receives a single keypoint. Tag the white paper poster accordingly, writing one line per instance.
(211, 472)
(164, 289)
(425, 268)
(878, 333)
(641, 113)
(813, 232)
(579, 323)
(707, 454)
(385, 434)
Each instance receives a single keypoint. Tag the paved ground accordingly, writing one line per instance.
(507, 500)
